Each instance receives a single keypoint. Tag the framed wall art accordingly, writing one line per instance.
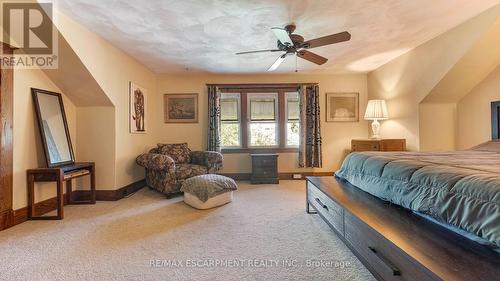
(342, 107)
(180, 108)
(137, 119)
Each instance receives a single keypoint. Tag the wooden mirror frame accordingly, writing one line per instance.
(34, 93)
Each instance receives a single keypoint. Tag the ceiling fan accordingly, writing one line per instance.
(294, 44)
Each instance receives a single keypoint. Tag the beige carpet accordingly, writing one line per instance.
(264, 234)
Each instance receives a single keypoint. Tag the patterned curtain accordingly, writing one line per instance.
(213, 119)
(310, 155)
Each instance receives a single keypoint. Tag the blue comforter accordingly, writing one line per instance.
(457, 188)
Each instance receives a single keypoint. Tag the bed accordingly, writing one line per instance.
(459, 189)
(406, 235)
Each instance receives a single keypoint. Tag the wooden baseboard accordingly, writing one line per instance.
(282, 176)
(21, 215)
(41, 208)
(6, 218)
(238, 176)
(110, 195)
(12, 218)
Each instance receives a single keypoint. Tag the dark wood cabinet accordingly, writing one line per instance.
(264, 168)
(378, 145)
(394, 243)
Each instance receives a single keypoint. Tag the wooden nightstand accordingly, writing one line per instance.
(378, 145)
(264, 168)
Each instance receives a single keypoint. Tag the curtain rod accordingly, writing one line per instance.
(261, 85)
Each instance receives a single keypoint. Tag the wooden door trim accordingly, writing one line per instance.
(6, 144)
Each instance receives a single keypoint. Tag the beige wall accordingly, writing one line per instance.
(93, 128)
(102, 132)
(479, 61)
(474, 112)
(437, 126)
(96, 138)
(408, 79)
(113, 69)
(336, 136)
(28, 150)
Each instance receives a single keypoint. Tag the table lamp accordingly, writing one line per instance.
(376, 110)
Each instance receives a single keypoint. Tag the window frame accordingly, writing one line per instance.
(281, 116)
(287, 119)
(237, 121)
(276, 119)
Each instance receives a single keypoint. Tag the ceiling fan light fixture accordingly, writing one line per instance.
(294, 44)
(282, 36)
(277, 63)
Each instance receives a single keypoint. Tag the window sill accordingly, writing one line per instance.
(260, 150)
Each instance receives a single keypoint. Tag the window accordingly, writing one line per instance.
(292, 118)
(263, 119)
(230, 120)
(259, 119)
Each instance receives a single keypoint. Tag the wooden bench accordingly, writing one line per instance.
(60, 175)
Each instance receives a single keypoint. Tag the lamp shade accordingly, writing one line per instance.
(376, 110)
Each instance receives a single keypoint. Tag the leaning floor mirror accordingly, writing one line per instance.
(53, 127)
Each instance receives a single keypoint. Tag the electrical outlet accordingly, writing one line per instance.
(297, 176)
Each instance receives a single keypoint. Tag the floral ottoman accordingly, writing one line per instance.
(208, 191)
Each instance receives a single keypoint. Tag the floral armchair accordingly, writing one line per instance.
(168, 165)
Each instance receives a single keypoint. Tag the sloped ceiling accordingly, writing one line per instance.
(477, 63)
(75, 80)
(171, 35)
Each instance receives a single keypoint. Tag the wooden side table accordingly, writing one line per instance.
(60, 175)
(264, 169)
(378, 145)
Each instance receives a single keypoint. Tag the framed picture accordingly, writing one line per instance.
(180, 108)
(137, 120)
(342, 107)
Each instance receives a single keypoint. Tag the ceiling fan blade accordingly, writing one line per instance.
(282, 36)
(259, 51)
(312, 57)
(277, 63)
(327, 40)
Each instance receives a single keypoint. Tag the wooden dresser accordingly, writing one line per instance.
(394, 243)
(378, 145)
(264, 168)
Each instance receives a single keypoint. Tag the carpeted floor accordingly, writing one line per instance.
(264, 234)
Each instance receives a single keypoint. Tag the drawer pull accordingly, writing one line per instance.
(395, 270)
(321, 203)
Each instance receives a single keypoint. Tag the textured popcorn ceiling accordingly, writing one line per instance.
(203, 35)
